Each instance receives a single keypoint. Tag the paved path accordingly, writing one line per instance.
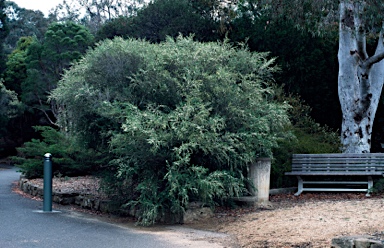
(21, 226)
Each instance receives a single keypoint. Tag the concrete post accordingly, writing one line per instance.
(259, 174)
(47, 203)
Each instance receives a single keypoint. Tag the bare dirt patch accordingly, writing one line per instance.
(310, 220)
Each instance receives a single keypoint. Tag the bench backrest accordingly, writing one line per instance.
(338, 162)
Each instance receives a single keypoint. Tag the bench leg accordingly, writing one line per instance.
(370, 186)
(299, 186)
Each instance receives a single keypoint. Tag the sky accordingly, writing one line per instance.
(42, 5)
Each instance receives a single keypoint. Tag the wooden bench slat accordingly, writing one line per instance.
(333, 173)
(337, 182)
(341, 155)
(330, 160)
(341, 166)
(337, 161)
(335, 190)
(337, 169)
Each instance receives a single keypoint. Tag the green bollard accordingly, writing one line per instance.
(47, 206)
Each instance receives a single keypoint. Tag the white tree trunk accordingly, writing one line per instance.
(360, 79)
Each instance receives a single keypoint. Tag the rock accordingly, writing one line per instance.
(64, 198)
(366, 243)
(265, 205)
(104, 206)
(356, 242)
(196, 214)
(79, 200)
(342, 242)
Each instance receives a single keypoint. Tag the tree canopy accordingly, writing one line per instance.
(24, 23)
(162, 18)
(16, 72)
(63, 44)
(94, 13)
(4, 31)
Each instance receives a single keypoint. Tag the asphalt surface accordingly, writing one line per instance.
(21, 225)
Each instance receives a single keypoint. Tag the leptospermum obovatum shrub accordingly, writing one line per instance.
(182, 119)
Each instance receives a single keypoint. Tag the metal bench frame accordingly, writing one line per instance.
(336, 165)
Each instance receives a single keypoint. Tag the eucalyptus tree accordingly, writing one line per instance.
(361, 74)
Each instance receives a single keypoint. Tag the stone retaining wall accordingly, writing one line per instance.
(89, 201)
(86, 201)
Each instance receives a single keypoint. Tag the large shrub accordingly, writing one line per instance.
(182, 118)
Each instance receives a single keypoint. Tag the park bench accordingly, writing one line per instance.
(337, 169)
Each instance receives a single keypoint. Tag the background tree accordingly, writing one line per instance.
(162, 18)
(16, 72)
(360, 80)
(94, 13)
(308, 63)
(23, 23)
(63, 44)
(4, 31)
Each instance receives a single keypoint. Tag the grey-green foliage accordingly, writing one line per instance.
(182, 118)
(10, 109)
(10, 106)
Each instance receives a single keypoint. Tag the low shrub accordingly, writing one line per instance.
(310, 138)
(70, 158)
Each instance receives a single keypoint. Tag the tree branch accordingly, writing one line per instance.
(46, 115)
(360, 31)
(374, 59)
(45, 112)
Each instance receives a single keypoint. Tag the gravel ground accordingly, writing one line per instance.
(311, 220)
